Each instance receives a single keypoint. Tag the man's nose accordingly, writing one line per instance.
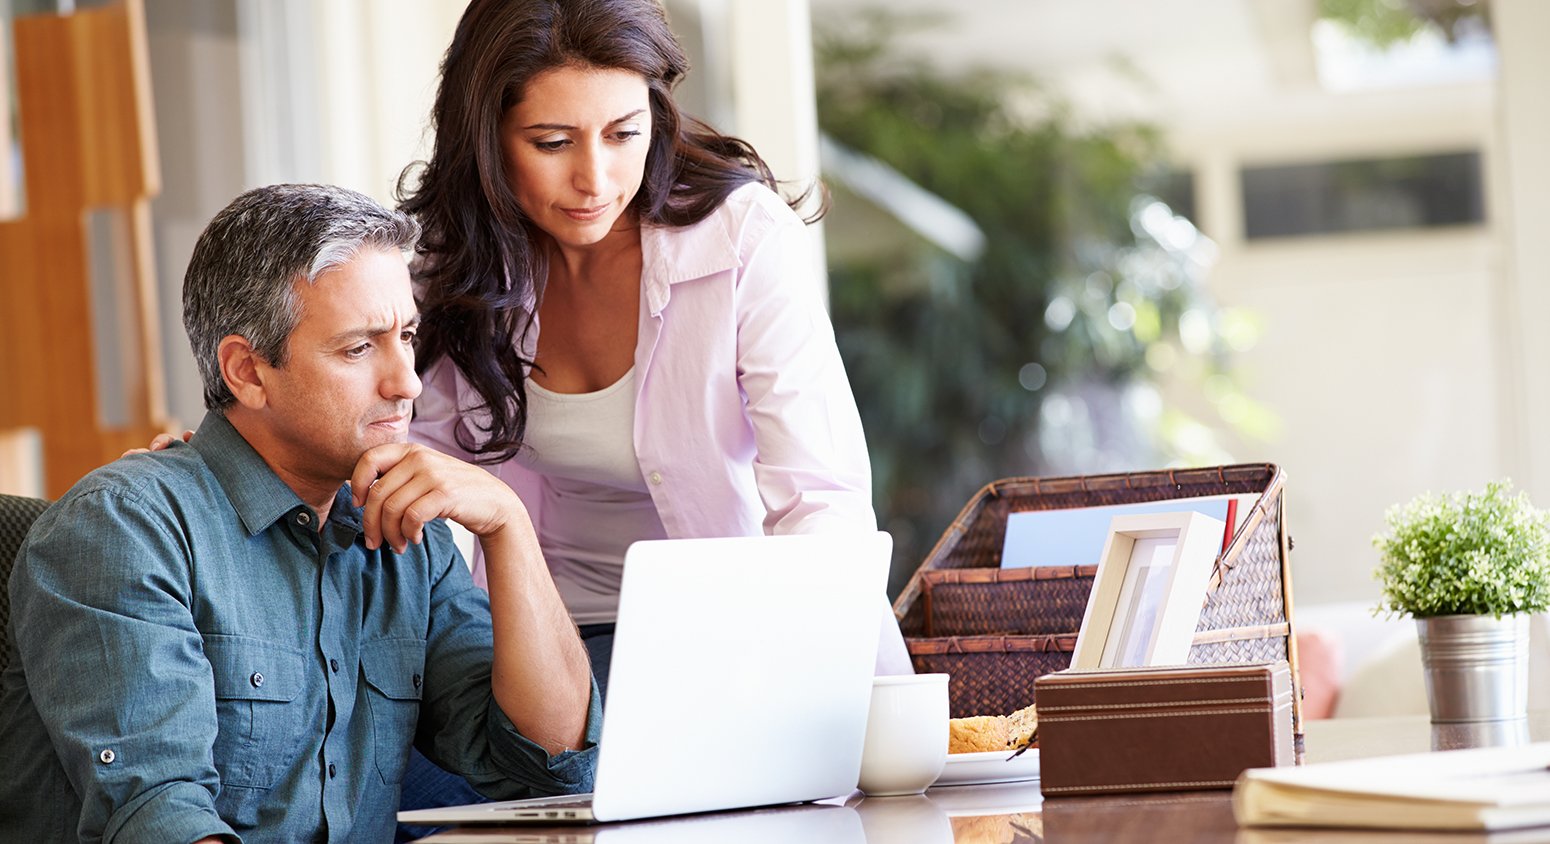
(400, 381)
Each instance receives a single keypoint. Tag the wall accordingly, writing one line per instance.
(201, 135)
(1523, 123)
(1383, 354)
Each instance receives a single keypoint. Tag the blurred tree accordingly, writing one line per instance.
(1388, 22)
(1040, 355)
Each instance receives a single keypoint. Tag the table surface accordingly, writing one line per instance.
(1015, 813)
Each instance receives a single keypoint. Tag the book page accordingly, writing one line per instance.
(1482, 788)
(1075, 537)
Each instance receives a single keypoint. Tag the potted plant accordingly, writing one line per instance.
(1470, 568)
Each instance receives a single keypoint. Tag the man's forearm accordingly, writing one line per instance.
(541, 676)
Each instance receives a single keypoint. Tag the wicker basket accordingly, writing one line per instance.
(996, 630)
(1004, 602)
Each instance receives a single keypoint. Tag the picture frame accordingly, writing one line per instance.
(1150, 585)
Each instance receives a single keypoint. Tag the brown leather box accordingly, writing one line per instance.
(1169, 728)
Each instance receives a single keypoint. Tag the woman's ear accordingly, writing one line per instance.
(241, 371)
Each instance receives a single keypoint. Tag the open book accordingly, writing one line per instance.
(1488, 788)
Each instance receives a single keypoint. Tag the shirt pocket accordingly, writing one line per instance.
(259, 707)
(395, 674)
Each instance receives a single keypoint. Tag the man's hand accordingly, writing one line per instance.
(402, 486)
(159, 442)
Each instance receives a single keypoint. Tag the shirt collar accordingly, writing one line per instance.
(673, 254)
(255, 491)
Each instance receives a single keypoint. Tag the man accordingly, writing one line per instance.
(244, 634)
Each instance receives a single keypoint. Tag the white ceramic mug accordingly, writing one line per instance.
(906, 734)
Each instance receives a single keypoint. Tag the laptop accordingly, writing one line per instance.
(741, 676)
(818, 822)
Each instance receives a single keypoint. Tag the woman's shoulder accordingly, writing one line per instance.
(756, 199)
(750, 214)
(745, 218)
(751, 201)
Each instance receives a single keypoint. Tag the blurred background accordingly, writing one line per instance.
(1065, 238)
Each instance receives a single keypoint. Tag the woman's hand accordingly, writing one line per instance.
(159, 442)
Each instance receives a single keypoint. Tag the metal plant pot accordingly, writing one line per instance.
(1476, 667)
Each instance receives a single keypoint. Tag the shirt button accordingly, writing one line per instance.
(303, 519)
(656, 477)
(333, 665)
(415, 680)
(257, 680)
(331, 770)
(106, 757)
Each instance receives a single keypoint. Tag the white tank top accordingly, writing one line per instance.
(595, 499)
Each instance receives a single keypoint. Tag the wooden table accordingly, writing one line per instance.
(1014, 813)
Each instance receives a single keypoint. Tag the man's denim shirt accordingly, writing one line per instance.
(196, 658)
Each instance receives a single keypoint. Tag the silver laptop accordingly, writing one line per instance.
(808, 822)
(741, 676)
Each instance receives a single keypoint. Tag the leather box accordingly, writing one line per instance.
(1168, 728)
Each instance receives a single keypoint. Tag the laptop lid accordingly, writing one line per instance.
(741, 676)
(741, 672)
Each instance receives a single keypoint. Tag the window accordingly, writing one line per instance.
(1362, 195)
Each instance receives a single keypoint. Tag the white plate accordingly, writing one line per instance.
(972, 768)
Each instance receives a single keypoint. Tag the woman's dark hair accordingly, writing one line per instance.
(478, 257)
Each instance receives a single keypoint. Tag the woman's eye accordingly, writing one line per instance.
(626, 135)
(550, 146)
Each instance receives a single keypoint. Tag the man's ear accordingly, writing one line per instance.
(240, 367)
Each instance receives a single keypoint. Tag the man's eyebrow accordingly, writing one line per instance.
(561, 127)
(368, 331)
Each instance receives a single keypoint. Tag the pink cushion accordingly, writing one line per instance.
(1320, 665)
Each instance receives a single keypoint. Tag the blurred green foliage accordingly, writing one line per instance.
(1040, 355)
(1388, 22)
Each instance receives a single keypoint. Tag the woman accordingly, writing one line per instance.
(618, 312)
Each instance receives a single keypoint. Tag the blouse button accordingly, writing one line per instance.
(257, 680)
(656, 478)
(106, 757)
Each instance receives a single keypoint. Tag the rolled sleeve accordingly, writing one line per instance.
(569, 772)
(462, 728)
(175, 812)
(100, 605)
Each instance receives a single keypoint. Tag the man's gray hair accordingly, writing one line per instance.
(242, 276)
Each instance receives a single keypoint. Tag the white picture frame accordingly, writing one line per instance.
(1146, 597)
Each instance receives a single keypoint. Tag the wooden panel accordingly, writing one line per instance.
(22, 348)
(84, 106)
(112, 83)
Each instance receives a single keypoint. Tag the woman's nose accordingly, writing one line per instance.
(591, 172)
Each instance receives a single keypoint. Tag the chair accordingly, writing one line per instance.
(16, 517)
